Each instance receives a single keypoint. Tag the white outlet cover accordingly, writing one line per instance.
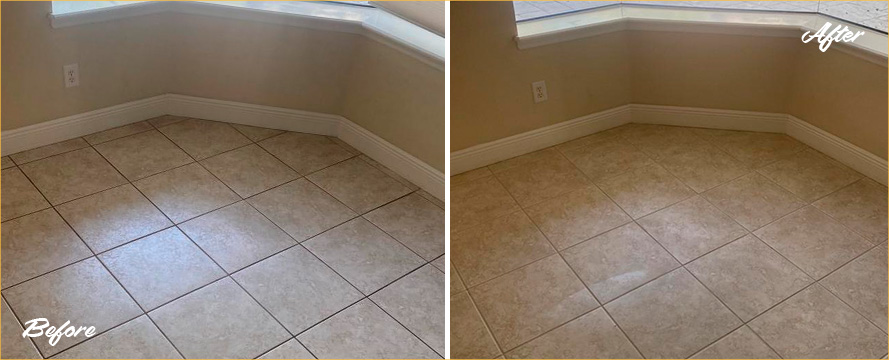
(72, 75)
(539, 91)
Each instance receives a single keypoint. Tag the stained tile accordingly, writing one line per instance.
(48, 150)
(389, 173)
(297, 288)
(15, 346)
(810, 175)
(72, 175)
(814, 324)
(6, 162)
(118, 132)
(306, 153)
(186, 192)
(137, 339)
(417, 301)
(415, 222)
(755, 149)
(703, 167)
(255, 133)
(863, 285)
(236, 236)
(364, 255)
(544, 175)
(83, 293)
(860, 206)
(740, 344)
(302, 209)
(470, 338)
(249, 170)
(36, 244)
(753, 200)
(813, 241)
(143, 154)
(113, 217)
(618, 261)
(525, 303)
(358, 185)
(691, 228)
(161, 267)
(645, 190)
(363, 331)
(591, 336)
(672, 317)
(219, 321)
(748, 276)
(478, 202)
(470, 176)
(291, 349)
(503, 245)
(165, 120)
(20, 196)
(603, 160)
(576, 216)
(202, 138)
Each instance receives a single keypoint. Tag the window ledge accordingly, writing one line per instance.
(872, 46)
(371, 22)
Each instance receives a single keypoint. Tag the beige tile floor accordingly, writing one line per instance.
(669, 242)
(189, 238)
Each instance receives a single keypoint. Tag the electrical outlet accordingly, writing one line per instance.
(539, 89)
(72, 75)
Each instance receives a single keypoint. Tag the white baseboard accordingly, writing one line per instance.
(396, 159)
(852, 156)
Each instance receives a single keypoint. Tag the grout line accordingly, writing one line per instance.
(22, 326)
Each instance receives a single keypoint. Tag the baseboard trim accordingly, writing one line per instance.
(399, 161)
(853, 156)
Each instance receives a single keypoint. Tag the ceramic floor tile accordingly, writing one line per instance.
(359, 185)
(364, 255)
(691, 228)
(344, 145)
(576, 216)
(137, 339)
(755, 149)
(703, 167)
(591, 336)
(595, 138)
(607, 159)
(814, 324)
(186, 192)
(434, 200)
(388, 172)
(672, 317)
(417, 301)
(6, 162)
(249, 170)
(217, 322)
(118, 132)
(292, 349)
(503, 245)
(415, 222)
(165, 120)
(297, 288)
(753, 200)
(113, 217)
(306, 153)
(659, 141)
(618, 261)
(749, 276)
(236, 236)
(83, 293)
(203, 138)
(143, 154)
(548, 175)
(813, 241)
(526, 303)
(48, 150)
(302, 209)
(470, 338)
(478, 202)
(456, 283)
(255, 133)
(439, 263)
(645, 190)
(14, 345)
(36, 244)
(529, 159)
(470, 176)
(860, 206)
(364, 331)
(161, 267)
(21, 197)
(810, 175)
(72, 175)
(740, 344)
(863, 285)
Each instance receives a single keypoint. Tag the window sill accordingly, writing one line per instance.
(371, 22)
